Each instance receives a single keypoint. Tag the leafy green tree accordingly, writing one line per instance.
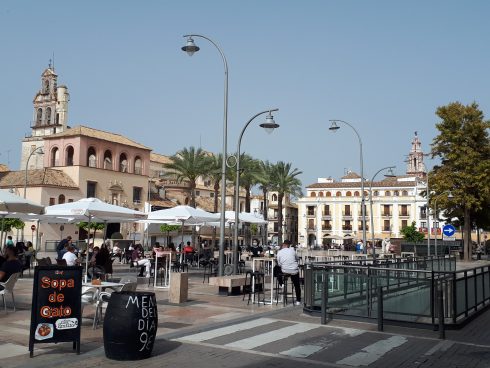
(463, 147)
(166, 228)
(411, 234)
(188, 165)
(7, 224)
(285, 182)
(95, 226)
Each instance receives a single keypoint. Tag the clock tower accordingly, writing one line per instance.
(49, 117)
(415, 162)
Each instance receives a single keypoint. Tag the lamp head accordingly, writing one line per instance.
(390, 173)
(450, 195)
(190, 47)
(269, 124)
(40, 151)
(334, 127)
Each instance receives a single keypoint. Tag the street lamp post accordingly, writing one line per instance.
(269, 126)
(191, 48)
(39, 150)
(436, 221)
(390, 168)
(334, 127)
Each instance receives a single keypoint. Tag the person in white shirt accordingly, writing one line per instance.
(70, 257)
(286, 259)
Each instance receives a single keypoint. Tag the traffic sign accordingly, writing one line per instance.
(448, 232)
(33, 227)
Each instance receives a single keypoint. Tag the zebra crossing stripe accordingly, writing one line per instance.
(268, 337)
(302, 351)
(373, 352)
(218, 332)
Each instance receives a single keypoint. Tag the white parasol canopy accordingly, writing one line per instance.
(10, 202)
(186, 214)
(242, 217)
(94, 210)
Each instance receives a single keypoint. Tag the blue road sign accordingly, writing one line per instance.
(448, 230)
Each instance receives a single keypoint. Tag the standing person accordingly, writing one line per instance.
(138, 260)
(286, 259)
(70, 256)
(9, 242)
(62, 245)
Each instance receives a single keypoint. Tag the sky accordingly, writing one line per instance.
(383, 66)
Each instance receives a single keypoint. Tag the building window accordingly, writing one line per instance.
(404, 193)
(338, 194)
(138, 166)
(387, 193)
(70, 200)
(328, 194)
(276, 227)
(386, 210)
(376, 193)
(91, 189)
(386, 225)
(348, 194)
(274, 198)
(52, 201)
(404, 210)
(326, 210)
(197, 192)
(404, 224)
(396, 193)
(320, 194)
(311, 210)
(91, 157)
(137, 192)
(211, 194)
(311, 224)
(39, 116)
(61, 199)
(48, 115)
(69, 156)
(55, 154)
(423, 224)
(313, 194)
(123, 163)
(108, 160)
(57, 119)
(347, 211)
(356, 194)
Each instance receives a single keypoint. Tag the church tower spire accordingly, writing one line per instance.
(415, 162)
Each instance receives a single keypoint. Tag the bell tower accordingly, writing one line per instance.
(49, 116)
(415, 162)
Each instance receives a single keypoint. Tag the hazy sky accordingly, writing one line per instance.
(384, 66)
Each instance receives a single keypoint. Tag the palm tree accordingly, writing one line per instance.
(188, 165)
(285, 182)
(249, 170)
(264, 181)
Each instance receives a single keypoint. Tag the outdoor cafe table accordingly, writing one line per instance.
(266, 263)
(167, 258)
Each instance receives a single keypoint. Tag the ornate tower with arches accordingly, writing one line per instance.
(415, 162)
(50, 116)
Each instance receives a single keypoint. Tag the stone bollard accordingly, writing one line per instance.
(179, 285)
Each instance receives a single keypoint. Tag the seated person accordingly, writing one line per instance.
(256, 250)
(138, 259)
(10, 266)
(70, 256)
(188, 248)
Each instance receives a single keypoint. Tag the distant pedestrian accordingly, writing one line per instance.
(62, 245)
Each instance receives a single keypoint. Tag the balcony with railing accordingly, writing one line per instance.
(347, 213)
(347, 227)
(310, 214)
(326, 227)
(386, 228)
(326, 215)
(360, 227)
(404, 214)
(423, 215)
(386, 213)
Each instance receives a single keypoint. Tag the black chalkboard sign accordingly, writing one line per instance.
(56, 313)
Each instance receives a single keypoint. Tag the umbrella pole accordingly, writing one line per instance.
(182, 242)
(1, 235)
(86, 250)
(36, 248)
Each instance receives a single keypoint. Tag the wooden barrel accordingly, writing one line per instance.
(130, 325)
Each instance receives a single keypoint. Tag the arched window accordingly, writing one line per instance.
(356, 194)
(320, 194)
(69, 156)
(387, 193)
(274, 198)
(348, 194)
(55, 155)
(46, 86)
(123, 163)
(404, 193)
(91, 157)
(39, 117)
(396, 193)
(313, 194)
(48, 116)
(138, 166)
(328, 194)
(376, 193)
(366, 193)
(108, 160)
(61, 199)
(338, 194)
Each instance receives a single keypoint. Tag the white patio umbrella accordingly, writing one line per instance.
(11, 203)
(184, 215)
(94, 210)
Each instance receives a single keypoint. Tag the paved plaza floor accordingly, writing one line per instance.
(216, 331)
